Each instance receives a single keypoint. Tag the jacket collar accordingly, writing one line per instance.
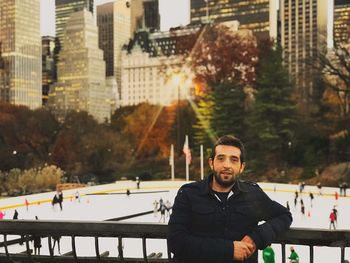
(238, 187)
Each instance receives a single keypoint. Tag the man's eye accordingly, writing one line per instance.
(220, 158)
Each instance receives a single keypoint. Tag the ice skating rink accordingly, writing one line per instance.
(104, 202)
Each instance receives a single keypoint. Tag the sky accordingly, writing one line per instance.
(169, 18)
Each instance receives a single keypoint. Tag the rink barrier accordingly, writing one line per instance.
(144, 232)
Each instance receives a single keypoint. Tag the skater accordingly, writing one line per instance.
(56, 239)
(332, 219)
(138, 182)
(302, 208)
(2, 215)
(15, 215)
(60, 199)
(127, 192)
(288, 207)
(335, 211)
(168, 207)
(293, 258)
(311, 197)
(268, 255)
(319, 186)
(155, 209)
(77, 196)
(162, 213)
(26, 204)
(37, 242)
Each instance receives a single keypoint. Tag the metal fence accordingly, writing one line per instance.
(25, 230)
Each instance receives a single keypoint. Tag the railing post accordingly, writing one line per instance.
(144, 249)
(283, 253)
(311, 248)
(97, 249)
(120, 249)
(74, 248)
(342, 254)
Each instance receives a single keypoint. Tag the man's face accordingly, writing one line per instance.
(226, 165)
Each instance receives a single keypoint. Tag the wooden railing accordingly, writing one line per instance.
(14, 231)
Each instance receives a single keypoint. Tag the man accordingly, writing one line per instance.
(269, 255)
(216, 220)
(293, 258)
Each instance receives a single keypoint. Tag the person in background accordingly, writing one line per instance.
(37, 242)
(15, 215)
(268, 255)
(332, 219)
(2, 215)
(294, 257)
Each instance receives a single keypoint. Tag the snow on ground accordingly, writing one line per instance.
(114, 203)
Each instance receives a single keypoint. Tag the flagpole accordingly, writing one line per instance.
(187, 170)
(172, 163)
(202, 163)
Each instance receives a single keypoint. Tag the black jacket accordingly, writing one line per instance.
(202, 229)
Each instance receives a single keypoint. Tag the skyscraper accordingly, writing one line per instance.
(81, 82)
(48, 74)
(21, 52)
(105, 35)
(341, 28)
(128, 15)
(254, 15)
(304, 32)
(151, 14)
(64, 8)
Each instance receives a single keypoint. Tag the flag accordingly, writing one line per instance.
(186, 150)
(171, 156)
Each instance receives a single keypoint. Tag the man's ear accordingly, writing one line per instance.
(241, 169)
(210, 162)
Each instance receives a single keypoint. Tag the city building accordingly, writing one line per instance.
(151, 14)
(4, 79)
(64, 8)
(127, 17)
(105, 34)
(341, 29)
(259, 16)
(81, 84)
(304, 33)
(20, 44)
(153, 70)
(48, 65)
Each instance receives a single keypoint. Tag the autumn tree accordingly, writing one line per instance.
(147, 130)
(223, 61)
(26, 135)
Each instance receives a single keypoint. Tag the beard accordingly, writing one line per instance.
(225, 183)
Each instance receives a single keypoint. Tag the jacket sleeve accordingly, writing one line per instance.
(277, 221)
(188, 247)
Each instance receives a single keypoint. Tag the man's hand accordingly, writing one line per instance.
(242, 250)
(249, 240)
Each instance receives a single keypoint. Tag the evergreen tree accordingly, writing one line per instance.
(228, 112)
(273, 117)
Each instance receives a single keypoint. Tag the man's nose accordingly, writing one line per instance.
(227, 162)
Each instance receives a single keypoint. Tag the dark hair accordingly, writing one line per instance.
(231, 141)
